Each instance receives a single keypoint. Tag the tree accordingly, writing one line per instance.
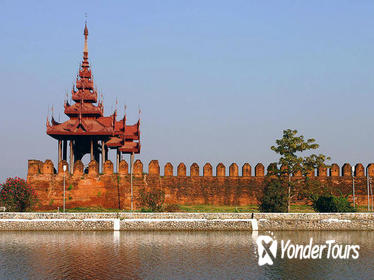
(290, 147)
(16, 195)
(274, 198)
(331, 203)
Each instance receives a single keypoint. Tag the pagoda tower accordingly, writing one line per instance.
(88, 131)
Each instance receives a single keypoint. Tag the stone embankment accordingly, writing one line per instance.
(186, 221)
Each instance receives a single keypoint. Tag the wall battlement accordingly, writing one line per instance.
(38, 167)
(111, 189)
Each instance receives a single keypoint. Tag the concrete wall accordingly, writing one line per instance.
(185, 221)
(112, 190)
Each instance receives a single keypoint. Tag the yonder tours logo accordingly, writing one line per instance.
(267, 248)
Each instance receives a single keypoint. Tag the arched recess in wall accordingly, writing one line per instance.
(86, 160)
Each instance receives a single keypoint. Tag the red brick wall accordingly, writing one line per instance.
(111, 190)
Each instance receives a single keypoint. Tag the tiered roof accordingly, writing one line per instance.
(87, 118)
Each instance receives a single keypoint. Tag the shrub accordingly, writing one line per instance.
(152, 200)
(331, 203)
(274, 198)
(16, 195)
(310, 189)
(172, 208)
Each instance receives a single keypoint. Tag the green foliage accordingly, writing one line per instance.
(290, 145)
(152, 200)
(207, 208)
(172, 208)
(145, 210)
(274, 198)
(331, 203)
(16, 195)
(70, 187)
(91, 210)
(273, 169)
(289, 148)
(311, 189)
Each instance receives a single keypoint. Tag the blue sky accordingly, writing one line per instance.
(217, 81)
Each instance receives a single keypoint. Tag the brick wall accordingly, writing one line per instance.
(112, 190)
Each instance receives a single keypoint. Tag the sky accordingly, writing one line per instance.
(216, 81)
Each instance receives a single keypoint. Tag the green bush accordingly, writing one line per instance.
(145, 210)
(152, 200)
(331, 203)
(172, 208)
(274, 198)
(16, 195)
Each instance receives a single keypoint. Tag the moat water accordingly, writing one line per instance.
(172, 255)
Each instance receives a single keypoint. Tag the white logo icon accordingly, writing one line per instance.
(267, 249)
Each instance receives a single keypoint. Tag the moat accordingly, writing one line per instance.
(171, 255)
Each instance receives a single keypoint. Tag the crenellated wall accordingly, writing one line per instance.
(112, 190)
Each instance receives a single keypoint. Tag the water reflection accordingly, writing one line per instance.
(170, 255)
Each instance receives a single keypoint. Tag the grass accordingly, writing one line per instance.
(363, 209)
(238, 209)
(193, 209)
(88, 210)
(204, 208)
(217, 208)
